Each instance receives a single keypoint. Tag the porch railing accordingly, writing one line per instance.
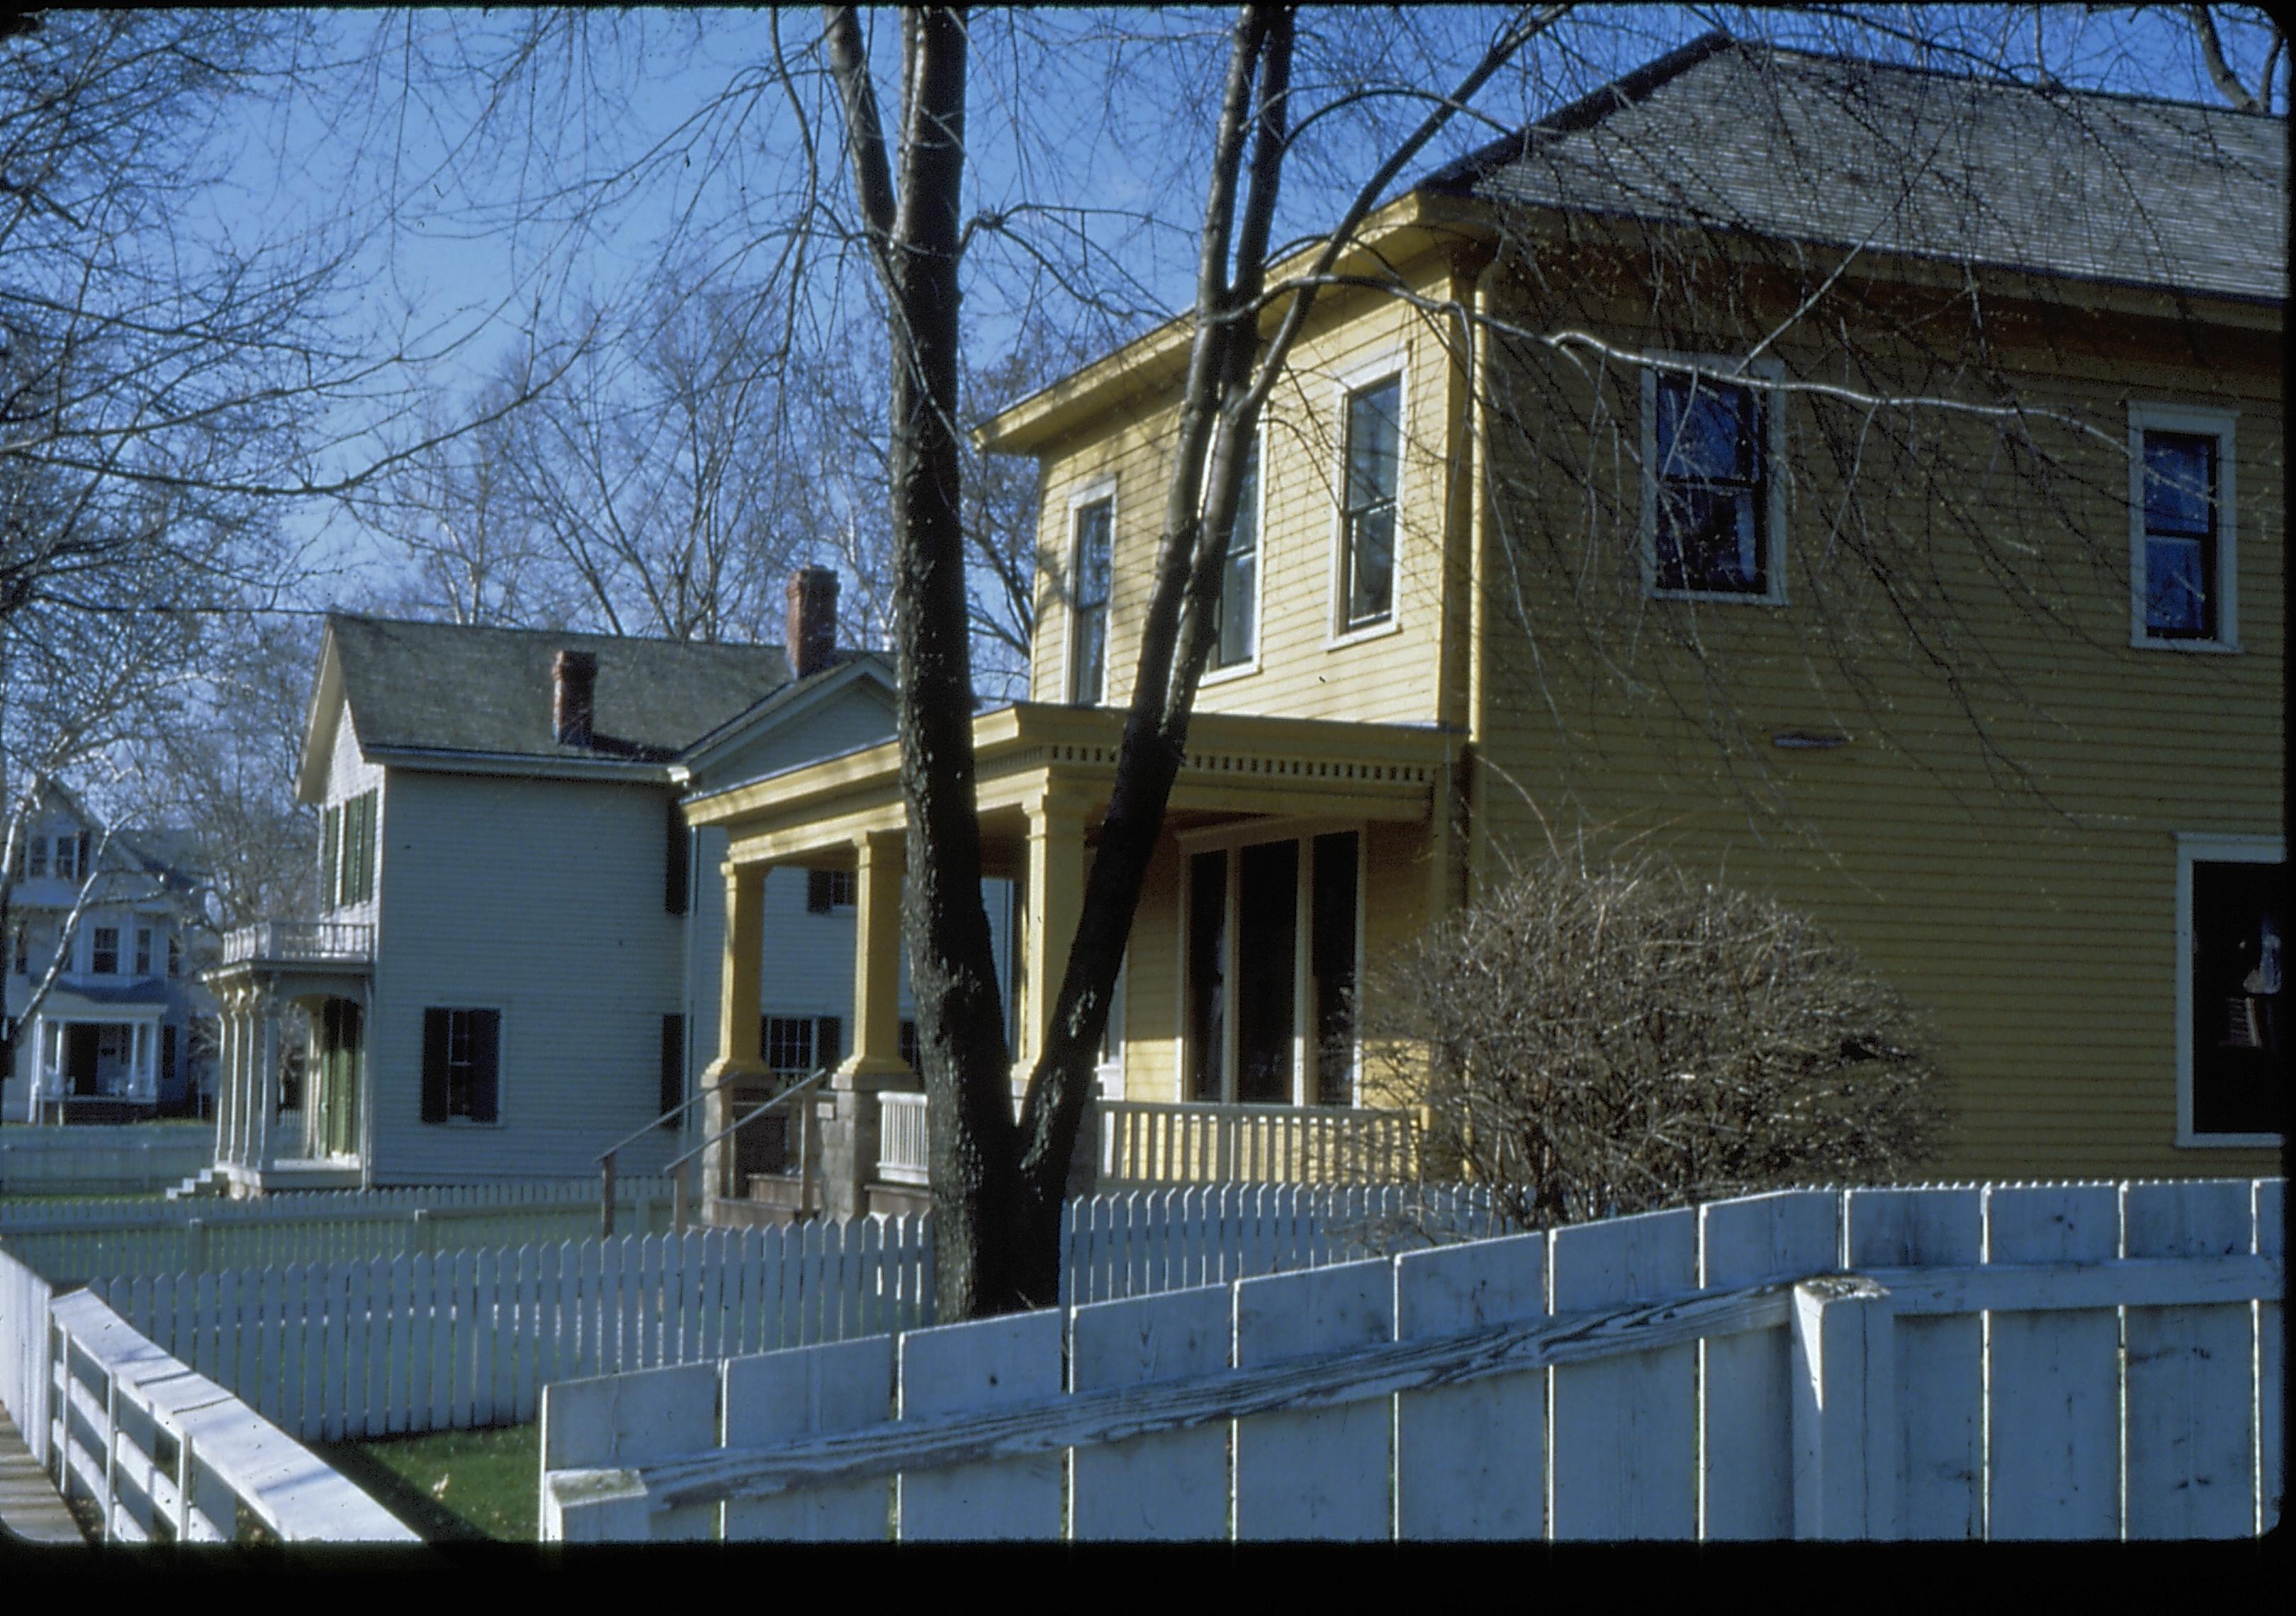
(300, 942)
(1144, 1143)
(904, 1148)
(1148, 1143)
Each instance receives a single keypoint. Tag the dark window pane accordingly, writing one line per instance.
(2180, 484)
(1267, 929)
(1706, 430)
(1370, 565)
(1375, 439)
(1239, 602)
(2239, 1020)
(1207, 974)
(1709, 539)
(2175, 589)
(1094, 539)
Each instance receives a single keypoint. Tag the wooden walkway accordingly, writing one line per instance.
(30, 1508)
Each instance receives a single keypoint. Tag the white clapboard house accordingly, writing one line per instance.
(112, 1038)
(516, 960)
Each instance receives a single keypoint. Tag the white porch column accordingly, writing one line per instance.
(224, 1151)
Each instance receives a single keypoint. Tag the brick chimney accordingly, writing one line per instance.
(811, 642)
(573, 707)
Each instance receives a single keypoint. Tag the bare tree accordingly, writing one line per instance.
(1598, 1037)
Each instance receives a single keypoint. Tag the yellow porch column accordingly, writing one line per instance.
(739, 1061)
(1056, 871)
(879, 861)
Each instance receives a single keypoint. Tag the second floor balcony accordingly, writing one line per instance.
(336, 944)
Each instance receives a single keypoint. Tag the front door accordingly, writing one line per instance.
(83, 1058)
(343, 1051)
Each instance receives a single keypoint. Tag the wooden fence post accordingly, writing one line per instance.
(1844, 1410)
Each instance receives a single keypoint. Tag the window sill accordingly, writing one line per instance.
(2231, 1141)
(1228, 675)
(1340, 639)
(1717, 597)
(2214, 648)
(461, 1122)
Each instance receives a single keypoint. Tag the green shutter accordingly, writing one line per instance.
(366, 845)
(434, 1064)
(828, 1042)
(673, 1065)
(677, 866)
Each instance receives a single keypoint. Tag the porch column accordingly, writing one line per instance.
(268, 1088)
(739, 990)
(850, 1142)
(1055, 899)
(229, 1108)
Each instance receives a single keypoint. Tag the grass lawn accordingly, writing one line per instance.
(451, 1486)
(47, 1200)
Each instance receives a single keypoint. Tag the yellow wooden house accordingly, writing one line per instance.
(1858, 482)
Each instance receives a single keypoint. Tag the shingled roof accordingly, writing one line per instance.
(1734, 135)
(448, 687)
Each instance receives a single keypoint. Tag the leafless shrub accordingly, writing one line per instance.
(1603, 1037)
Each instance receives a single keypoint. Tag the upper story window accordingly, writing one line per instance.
(103, 951)
(347, 852)
(2180, 550)
(1090, 574)
(142, 950)
(175, 955)
(1375, 461)
(20, 951)
(1237, 638)
(1712, 515)
(36, 861)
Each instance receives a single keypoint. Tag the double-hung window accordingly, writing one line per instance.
(103, 951)
(1710, 510)
(142, 950)
(1237, 640)
(462, 1062)
(1090, 573)
(799, 1045)
(2180, 508)
(826, 892)
(2232, 1025)
(1374, 465)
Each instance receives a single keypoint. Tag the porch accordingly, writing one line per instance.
(1287, 844)
(95, 1052)
(268, 1138)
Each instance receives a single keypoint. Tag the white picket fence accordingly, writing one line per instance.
(414, 1341)
(2058, 1361)
(71, 1242)
(169, 1456)
(24, 1299)
(101, 1160)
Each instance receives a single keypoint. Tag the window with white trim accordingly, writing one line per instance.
(2233, 1030)
(1090, 574)
(2180, 527)
(103, 951)
(1372, 472)
(1712, 518)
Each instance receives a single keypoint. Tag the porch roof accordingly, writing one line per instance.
(93, 1002)
(1238, 765)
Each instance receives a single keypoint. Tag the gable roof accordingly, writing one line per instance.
(448, 687)
(1741, 137)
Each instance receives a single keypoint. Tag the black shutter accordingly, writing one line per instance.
(84, 845)
(820, 891)
(829, 1042)
(367, 804)
(677, 866)
(434, 1064)
(673, 1065)
(486, 1043)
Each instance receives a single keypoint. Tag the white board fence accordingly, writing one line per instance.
(169, 1456)
(24, 1299)
(1887, 1363)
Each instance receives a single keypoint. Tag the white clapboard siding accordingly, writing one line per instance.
(1712, 1372)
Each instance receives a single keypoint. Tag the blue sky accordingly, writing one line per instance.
(1086, 131)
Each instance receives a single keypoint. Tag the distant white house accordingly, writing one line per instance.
(517, 959)
(114, 1035)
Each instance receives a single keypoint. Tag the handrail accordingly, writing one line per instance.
(680, 1108)
(675, 1168)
